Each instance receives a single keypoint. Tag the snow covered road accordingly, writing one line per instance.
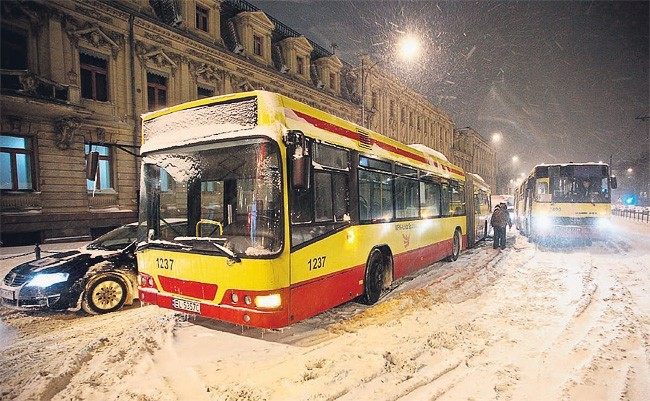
(527, 323)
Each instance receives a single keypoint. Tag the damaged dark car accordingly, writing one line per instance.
(100, 277)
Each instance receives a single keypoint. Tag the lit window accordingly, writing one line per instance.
(15, 163)
(156, 91)
(257, 45)
(202, 15)
(103, 177)
(94, 77)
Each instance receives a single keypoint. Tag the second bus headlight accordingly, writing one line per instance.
(268, 301)
(543, 223)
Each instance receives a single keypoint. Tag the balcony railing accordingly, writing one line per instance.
(24, 82)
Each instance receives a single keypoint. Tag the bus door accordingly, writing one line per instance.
(472, 208)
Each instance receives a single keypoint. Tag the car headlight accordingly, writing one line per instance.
(543, 223)
(46, 280)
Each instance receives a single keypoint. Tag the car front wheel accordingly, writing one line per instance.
(105, 295)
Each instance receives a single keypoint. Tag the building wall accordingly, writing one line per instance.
(136, 39)
(474, 154)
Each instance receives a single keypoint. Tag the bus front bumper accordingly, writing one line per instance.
(268, 319)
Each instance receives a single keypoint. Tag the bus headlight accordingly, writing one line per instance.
(603, 223)
(268, 301)
(543, 223)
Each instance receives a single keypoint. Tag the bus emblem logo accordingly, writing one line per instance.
(407, 240)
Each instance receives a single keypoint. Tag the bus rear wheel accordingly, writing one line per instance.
(374, 278)
(455, 246)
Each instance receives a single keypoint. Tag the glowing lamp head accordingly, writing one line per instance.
(409, 47)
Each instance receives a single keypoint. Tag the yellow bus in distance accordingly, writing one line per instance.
(262, 211)
(565, 201)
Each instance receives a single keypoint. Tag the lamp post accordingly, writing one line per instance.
(409, 48)
(497, 136)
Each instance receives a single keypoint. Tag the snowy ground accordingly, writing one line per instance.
(527, 323)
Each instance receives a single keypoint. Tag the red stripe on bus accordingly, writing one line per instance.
(188, 288)
(333, 128)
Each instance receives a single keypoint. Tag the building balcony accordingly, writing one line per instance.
(24, 92)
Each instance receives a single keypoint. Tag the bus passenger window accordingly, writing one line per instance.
(375, 196)
(429, 199)
(323, 196)
(300, 206)
(406, 200)
(542, 188)
(340, 195)
(445, 206)
(457, 206)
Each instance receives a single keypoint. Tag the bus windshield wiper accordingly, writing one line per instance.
(231, 255)
(163, 244)
(226, 251)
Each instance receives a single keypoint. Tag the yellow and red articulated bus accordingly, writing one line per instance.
(262, 211)
(565, 201)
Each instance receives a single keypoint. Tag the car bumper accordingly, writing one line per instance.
(18, 298)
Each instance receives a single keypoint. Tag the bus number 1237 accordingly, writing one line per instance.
(316, 263)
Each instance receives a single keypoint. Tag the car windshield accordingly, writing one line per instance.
(229, 197)
(115, 240)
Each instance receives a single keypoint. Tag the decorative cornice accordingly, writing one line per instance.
(95, 36)
(154, 55)
(93, 13)
(205, 72)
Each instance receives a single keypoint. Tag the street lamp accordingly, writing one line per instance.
(496, 137)
(409, 49)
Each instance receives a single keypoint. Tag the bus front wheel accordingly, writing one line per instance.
(374, 279)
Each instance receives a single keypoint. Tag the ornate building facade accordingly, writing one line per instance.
(77, 75)
(474, 154)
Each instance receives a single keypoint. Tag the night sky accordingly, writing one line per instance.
(562, 81)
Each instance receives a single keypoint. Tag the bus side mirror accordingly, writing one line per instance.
(300, 160)
(613, 182)
(92, 161)
(301, 171)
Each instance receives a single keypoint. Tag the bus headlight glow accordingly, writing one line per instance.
(268, 301)
(603, 223)
(543, 223)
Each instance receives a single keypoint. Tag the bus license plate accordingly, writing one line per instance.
(184, 304)
(5, 293)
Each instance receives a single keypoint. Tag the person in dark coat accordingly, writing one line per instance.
(500, 219)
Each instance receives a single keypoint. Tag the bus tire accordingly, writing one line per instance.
(455, 246)
(374, 278)
(107, 294)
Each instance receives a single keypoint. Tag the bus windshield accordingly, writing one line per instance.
(222, 199)
(581, 184)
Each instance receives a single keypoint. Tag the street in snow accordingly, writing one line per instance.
(530, 322)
